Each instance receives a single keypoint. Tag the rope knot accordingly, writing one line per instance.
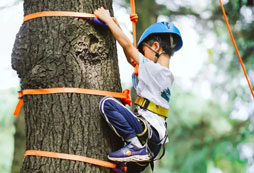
(134, 17)
(126, 100)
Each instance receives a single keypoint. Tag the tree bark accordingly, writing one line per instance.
(54, 52)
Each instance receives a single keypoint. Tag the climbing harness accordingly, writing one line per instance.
(236, 49)
(119, 168)
(147, 105)
(147, 132)
(134, 80)
(145, 139)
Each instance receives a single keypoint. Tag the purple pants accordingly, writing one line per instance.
(126, 125)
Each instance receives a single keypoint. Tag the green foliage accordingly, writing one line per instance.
(202, 136)
(7, 104)
(242, 28)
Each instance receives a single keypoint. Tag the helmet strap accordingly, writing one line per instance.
(157, 54)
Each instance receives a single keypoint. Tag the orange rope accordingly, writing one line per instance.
(72, 157)
(236, 49)
(134, 20)
(58, 13)
(125, 97)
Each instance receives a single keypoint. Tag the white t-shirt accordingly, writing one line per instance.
(154, 84)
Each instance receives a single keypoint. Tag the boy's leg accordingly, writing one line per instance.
(154, 143)
(126, 125)
(122, 120)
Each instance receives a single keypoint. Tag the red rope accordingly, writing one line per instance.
(236, 49)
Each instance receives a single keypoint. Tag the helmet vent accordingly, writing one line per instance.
(172, 45)
(168, 25)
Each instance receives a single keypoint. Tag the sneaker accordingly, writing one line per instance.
(130, 153)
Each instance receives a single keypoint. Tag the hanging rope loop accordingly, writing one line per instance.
(134, 17)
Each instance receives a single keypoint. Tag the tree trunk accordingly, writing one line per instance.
(54, 52)
(147, 11)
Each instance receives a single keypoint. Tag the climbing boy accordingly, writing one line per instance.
(145, 130)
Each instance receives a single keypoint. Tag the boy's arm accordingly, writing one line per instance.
(130, 51)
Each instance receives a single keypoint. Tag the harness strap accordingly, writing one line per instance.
(145, 137)
(146, 104)
(147, 132)
(157, 54)
(163, 144)
(73, 157)
(125, 97)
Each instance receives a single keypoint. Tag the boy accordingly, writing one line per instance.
(145, 132)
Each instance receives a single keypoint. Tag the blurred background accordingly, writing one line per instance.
(211, 121)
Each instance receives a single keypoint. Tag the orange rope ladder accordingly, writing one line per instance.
(236, 49)
(124, 96)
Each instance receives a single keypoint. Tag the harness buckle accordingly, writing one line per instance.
(145, 104)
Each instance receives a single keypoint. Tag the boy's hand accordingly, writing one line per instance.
(129, 50)
(102, 14)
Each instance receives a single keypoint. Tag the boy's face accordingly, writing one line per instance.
(148, 53)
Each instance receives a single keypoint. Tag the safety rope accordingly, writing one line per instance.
(74, 158)
(236, 49)
(134, 20)
(125, 97)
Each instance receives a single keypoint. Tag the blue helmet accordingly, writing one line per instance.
(162, 27)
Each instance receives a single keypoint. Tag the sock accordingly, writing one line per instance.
(135, 141)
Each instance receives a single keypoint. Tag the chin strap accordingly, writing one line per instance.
(157, 54)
